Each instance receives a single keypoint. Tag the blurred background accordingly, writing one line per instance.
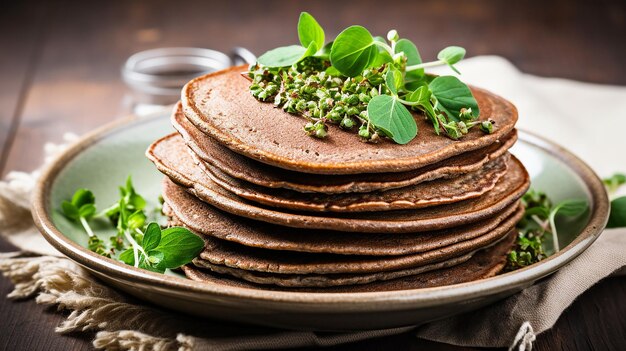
(60, 63)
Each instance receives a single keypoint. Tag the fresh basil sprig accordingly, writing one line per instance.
(136, 242)
(388, 77)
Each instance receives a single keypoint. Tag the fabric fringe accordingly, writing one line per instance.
(524, 338)
(59, 282)
(133, 340)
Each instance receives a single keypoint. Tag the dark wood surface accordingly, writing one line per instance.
(60, 65)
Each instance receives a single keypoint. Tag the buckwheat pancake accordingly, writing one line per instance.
(221, 106)
(325, 280)
(185, 210)
(433, 193)
(249, 170)
(230, 254)
(181, 169)
(483, 264)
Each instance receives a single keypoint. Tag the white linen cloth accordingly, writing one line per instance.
(585, 118)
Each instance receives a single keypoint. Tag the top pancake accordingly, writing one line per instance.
(220, 105)
(261, 174)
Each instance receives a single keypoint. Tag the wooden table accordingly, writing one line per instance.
(60, 65)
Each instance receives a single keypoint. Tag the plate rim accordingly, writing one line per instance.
(330, 302)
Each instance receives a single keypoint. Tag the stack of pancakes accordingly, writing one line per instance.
(280, 210)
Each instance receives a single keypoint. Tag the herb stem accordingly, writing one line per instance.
(409, 103)
(83, 221)
(106, 210)
(385, 46)
(542, 224)
(136, 247)
(555, 237)
(425, 65)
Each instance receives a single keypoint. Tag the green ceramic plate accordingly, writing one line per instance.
(102, 160)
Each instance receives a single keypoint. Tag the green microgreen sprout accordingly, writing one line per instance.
(569, 208)
(131, 200)
(372, 82)
(139, 243)
(538, 226)
(81, 208)
(537, 230)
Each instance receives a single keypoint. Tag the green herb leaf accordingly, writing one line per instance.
(570, 208)
(310, 51)
(353, 50)
(83, 197)
(617, 217)
(452, 95)
(129, 199)
(382, 57)
(282, 57)
(70, 210)
(135, 200)
(155, 257)
(422, 96)
(413, 58)
(179, 246)
(393, 80)
(614, 182)
(81, 208)
(151, 237)
(154, 261)
(136, 220)
(87, 211)
(128, 257)
(452, 55)
(309, 31)
(390, 116)
(324, 52)
(539, 211)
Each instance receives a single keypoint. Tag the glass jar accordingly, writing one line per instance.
(156, 76)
